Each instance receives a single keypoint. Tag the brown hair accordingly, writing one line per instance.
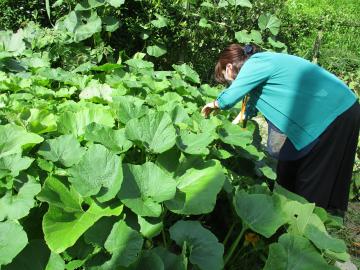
(234, 54)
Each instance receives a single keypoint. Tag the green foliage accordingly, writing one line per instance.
(325, 30)
(107, 163)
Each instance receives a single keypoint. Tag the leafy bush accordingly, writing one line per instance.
(112, 166)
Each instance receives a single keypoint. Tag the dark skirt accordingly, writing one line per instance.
(324, 175)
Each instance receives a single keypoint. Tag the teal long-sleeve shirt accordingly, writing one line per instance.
(298, 97)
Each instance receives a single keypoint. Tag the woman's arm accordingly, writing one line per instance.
(254, 72)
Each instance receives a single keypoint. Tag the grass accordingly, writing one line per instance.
(350, 233)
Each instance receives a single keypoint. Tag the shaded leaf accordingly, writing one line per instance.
(205, 250)
(12, 240)
(98, 169)
(66, 221)
(155, 131)
(64, 149)
(145, 187)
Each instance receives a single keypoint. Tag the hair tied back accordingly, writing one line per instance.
(248, 49)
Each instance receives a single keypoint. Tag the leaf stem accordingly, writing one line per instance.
(228, 234)
(234, 245)
(164, 237)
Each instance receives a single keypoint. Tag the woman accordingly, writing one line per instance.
(315, 118)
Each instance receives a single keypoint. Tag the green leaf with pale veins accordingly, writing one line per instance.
(155, 131)
(75, 122)
(235, 135)
(16, 206)
(36, 256)
(187, 72)
(156, 51)
(194, 143)
(124, 244)
(65, 221)
(205, 250)
(260, 212)
(139, 64)
(294, 252)
(98, 171)
(64, 149)
(242, 3)
(198, 189)
(145, 187)
(116, 3)
(170, 260)
(150, 227)
(13, 164)
(148, 260)
(160, 22)
(269, 21)
(114, 140)
(99, 232)
(14, 138)
(96, 91)
(12, 240)
(323, 240)
(128, 107)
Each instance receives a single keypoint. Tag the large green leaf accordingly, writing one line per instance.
(95, 91)
(12, 240)
(16, 206)
(235, 135)
(11, 44)
(36, 256)
(155, 131)
(114, 140)
(89, 4)
(75, 122)
(66, 221)
(244, 37)
(100, 231)
(271, 22)
(197, 189)
(299, 215)
(187, 72)
(64, 149)
(116, 3)
(41, 121)
(205, 250)
(177, 112)
(82, 26)
(145, 187)
(98, 170)
(124, 244)
(170, 260)
(150, 227)
(111, 24)
(260, 212)
(294, 252)
(13, 164)
(14, 138)
(137, 64)
(323, 240)
(194, 144)
(148, 260)
(155, 50)
(160, 22)
(128, 107)
(242, 3)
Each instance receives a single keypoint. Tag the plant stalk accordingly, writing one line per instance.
(234, 245)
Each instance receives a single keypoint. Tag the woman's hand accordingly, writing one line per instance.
(208, 108)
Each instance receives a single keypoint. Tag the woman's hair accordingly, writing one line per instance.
(236, 55)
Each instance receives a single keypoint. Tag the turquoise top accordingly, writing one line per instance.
(300, 98)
